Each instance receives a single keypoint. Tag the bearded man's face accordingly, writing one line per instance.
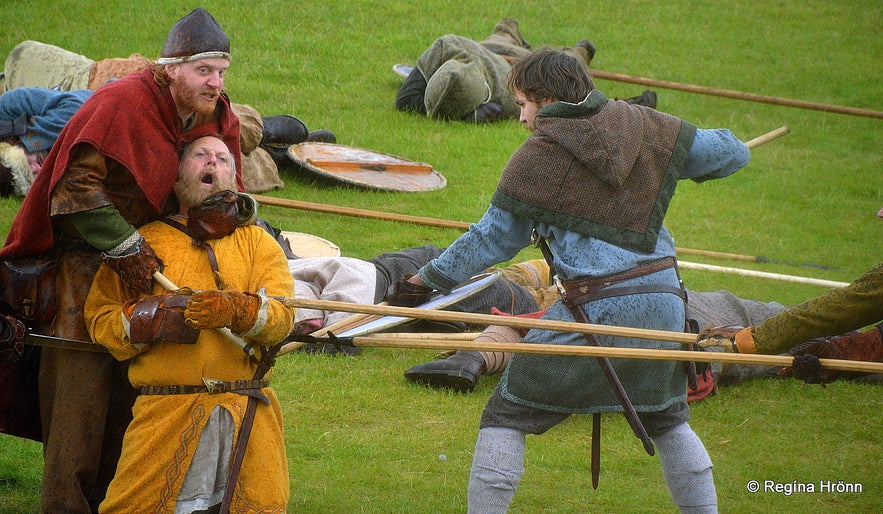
(196, 86)
(206, 168)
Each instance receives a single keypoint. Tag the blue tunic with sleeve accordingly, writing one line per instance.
(576, 384)
(47, 110)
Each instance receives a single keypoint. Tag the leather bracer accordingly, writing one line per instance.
(160, 318)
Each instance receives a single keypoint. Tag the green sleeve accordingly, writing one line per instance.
(836, 312)
(104, 227)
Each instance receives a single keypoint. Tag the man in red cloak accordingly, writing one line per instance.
(110, 171)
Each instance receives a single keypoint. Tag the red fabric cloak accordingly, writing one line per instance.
(132, 121)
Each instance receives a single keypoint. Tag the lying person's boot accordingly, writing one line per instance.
(461, 369)
(459, 372)
(280, 132)
(590, 48)
(647, 99)
(283, 130)
(279, 154)
(279, 151)
(321, 136)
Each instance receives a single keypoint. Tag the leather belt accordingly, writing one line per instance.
(212, 386)
(573, 290)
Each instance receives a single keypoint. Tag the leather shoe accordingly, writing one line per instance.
(322, 136)
(283, 130)
(647, 99)
(459, 372)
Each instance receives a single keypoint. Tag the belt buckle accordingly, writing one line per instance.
(213, 385)
(560, 286)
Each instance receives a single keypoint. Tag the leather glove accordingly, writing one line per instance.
(488, 113)
(136, 267)
(12, 339)
(857, 346)
(215, 309)
(214, 218)
(731, 338)
(159, 318)
(407, 294)
(248, 209)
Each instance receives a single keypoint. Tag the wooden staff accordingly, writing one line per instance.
(769, 136)
(761, 274)
(619, 77)
(426, 342)
(750, 258)
(489, 319)
(459, 225)
(359, 213)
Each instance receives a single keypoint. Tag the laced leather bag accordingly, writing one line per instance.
(27, 288)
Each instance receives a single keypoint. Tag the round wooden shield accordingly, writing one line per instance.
(365, 168)
(308, 245)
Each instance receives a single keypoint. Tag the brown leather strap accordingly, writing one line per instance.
(574, 289)
(211, 387)
(212, 259)
(266, 363)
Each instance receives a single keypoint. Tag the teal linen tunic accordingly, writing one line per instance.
(576, 384)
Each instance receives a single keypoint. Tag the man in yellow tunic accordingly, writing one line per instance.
(177, 452)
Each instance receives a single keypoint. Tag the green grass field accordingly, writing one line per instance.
(362, 439)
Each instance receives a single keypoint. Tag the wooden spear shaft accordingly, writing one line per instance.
(489, 319)
(359, 213)
(460, 225)
(421, 342)
(761, 274)
(769, 136)
(739, 95)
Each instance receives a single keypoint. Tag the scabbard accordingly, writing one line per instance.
(239, 452)
(596, 449)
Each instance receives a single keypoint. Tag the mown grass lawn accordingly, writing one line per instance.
(362, 439)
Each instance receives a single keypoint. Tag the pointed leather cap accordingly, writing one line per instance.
(195, 36)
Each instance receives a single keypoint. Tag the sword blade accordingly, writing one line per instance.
(61, 342)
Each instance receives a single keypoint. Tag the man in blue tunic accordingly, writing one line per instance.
(30, 120)
(594, 179)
